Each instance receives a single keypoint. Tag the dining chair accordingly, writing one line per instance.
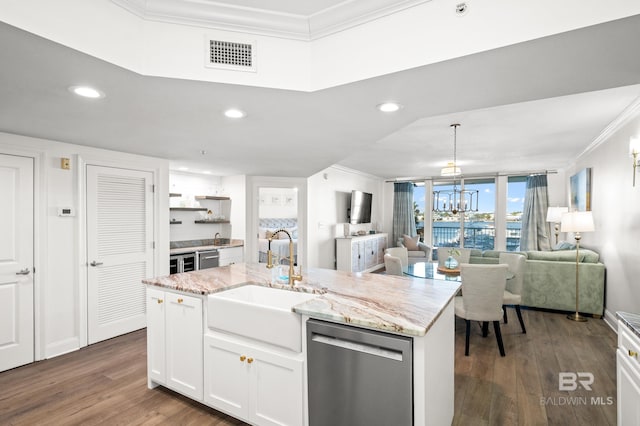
(463, 257)
(482, 293)
(392, 265)
(513, 292)
(401, 253)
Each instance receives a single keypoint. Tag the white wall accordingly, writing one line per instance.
(616, 212)
(60, 259)
(329, 195)
(236, 187)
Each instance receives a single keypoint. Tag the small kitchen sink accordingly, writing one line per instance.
(221, 241)
(260, 313)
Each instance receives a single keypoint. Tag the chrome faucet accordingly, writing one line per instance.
(292, 277)
(215, 239)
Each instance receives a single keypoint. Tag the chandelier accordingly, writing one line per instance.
(457, 200)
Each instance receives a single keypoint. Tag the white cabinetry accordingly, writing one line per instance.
(252, 382)
(174, 342)
(628, 376)
(360, 254)
(231, 255)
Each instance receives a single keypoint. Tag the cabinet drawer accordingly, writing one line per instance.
(629, 345)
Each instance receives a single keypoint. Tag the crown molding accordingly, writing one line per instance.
(352, 13)
(628, 114)
(229, 17)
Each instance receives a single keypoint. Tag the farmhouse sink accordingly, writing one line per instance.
(260, 313)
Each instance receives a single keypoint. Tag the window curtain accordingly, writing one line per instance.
(404, 221)
(535, 229)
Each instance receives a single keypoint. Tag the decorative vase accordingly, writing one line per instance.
(451, 263)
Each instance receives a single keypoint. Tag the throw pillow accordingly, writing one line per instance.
(564, 245)
(411, 243)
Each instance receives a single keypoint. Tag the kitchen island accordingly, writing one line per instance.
(186, 348)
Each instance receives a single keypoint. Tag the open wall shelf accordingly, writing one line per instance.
(211, 197)
(188, 209)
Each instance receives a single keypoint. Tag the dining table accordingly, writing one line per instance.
(431, 270)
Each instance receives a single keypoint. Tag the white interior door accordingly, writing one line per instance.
(119, 249)
(16, 261)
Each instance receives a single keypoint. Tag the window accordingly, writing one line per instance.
(478, 226)
(418, 206)
(516, 187)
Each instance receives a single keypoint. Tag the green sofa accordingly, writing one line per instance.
(550, 279)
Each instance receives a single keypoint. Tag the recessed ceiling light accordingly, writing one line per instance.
(183, 169)
(389, 107)
(234, 113)
(207, 172)
(87, 92)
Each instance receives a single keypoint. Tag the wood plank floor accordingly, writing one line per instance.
(105, 383)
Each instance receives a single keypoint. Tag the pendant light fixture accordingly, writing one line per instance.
(452, 168)
(457, 200)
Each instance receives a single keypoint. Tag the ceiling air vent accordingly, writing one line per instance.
(231, 55)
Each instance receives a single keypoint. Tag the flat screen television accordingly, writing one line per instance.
(360, 211)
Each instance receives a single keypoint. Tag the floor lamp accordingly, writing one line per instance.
(577, 222)
(554, 215)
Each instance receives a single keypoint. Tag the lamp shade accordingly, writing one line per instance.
(634, 146)
(577, 222)
(554, 214)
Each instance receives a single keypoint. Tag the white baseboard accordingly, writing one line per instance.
(611, 320)
(62, 347)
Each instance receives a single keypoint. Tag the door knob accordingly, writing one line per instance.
(24, 271)
(94, 263)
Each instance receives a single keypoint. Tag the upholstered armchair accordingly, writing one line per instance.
(395, 260)
(417, 251)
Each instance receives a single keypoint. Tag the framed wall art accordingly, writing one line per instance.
(580, 186)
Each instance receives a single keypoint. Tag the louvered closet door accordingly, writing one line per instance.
(119, 249)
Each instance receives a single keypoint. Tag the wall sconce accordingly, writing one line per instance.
(634, 150)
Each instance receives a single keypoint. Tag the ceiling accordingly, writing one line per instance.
(530, 106)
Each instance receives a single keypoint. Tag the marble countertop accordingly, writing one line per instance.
(630, 320)
(202, 245)
(402, 305)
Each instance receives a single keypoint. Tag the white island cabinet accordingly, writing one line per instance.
(253, 382)
(260, 377)
(174, 342)
(628, 369)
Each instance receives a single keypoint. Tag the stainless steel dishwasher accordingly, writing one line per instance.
(358, 376)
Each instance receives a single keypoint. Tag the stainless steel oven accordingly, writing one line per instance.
(208, 259)
(184, 262)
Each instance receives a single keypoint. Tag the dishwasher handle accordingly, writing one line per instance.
(379, 351)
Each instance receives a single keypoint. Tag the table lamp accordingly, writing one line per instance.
(554, 215)
(577, 222)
